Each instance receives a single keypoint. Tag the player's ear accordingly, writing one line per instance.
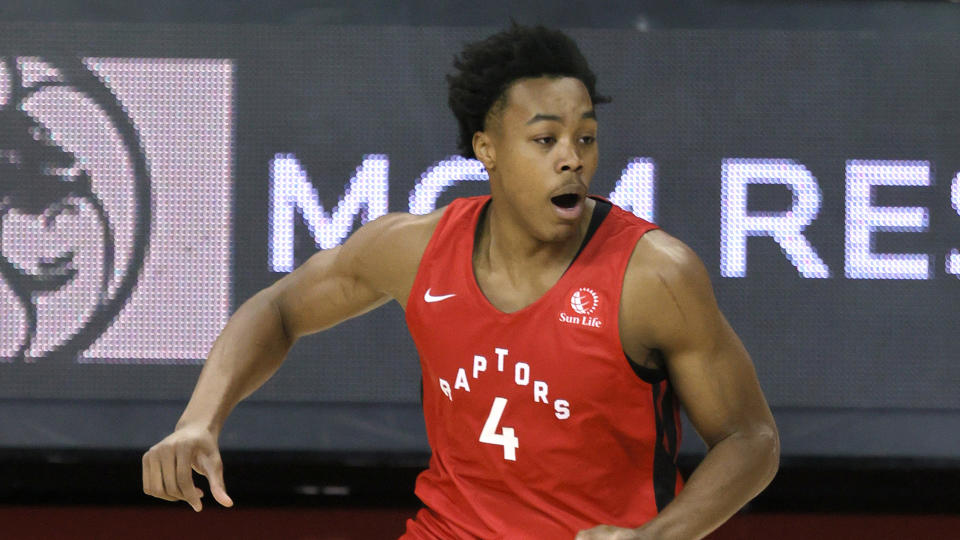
(484, 150)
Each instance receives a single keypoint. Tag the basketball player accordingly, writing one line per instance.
(557, 335)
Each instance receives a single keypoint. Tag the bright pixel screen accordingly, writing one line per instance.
(153, 179)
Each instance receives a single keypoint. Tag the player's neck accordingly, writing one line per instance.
(506, 244)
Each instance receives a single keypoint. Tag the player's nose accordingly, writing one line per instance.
(569, 159)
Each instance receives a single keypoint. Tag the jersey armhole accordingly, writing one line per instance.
(646, 374)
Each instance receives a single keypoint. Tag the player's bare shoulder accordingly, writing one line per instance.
(386, 252)
(666, 287)
(660, 254)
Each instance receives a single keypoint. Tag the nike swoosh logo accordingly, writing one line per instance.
(430, 298)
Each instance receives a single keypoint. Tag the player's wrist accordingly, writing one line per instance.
(209, 425)
(658, 527)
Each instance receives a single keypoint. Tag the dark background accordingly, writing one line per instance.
(862, 374)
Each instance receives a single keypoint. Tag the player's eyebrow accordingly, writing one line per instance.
(554, 118)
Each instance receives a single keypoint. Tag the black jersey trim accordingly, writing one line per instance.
(600, 212)
(667, 443)
(647, 374)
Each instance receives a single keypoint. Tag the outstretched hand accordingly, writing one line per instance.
(168, 468)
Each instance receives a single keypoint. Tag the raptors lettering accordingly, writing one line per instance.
(521, 377)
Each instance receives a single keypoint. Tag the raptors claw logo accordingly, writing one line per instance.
(65, 263)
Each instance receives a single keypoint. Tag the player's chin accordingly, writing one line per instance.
(559, 231)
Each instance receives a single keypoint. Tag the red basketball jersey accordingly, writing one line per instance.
(538, 424)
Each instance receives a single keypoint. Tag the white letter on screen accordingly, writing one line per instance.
(291, 191)
(953, 258)
(737, 223)
(635, 189)
(433, 182)
(863, 219)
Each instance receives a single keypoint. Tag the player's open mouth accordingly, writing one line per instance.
(568, 206)
(567, 200)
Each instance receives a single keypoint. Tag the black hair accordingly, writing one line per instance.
(487, 68)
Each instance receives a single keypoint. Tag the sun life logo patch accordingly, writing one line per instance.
(584, 301)
(585, 305)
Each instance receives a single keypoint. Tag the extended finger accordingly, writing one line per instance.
(211, 466)
(185, 479)
(154, 482)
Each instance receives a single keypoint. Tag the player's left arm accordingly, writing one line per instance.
(668, 304)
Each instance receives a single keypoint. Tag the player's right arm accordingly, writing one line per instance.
(375, 264)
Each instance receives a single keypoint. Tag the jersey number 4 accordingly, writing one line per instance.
(506, 438)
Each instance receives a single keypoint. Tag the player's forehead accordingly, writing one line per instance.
(563, 97)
